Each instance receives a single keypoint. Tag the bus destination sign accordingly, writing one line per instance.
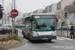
(51, 16)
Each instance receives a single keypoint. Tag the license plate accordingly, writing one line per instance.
(44, 38)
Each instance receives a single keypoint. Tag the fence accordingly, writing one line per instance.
(64, 33)
(19, 26)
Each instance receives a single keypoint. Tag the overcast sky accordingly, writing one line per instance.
(29, 5)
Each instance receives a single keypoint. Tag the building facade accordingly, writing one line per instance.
(59, 9)
(34, 12)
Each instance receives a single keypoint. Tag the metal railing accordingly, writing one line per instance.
(64, 33)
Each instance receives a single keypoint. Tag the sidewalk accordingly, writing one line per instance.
(63, 35)
(70, 38)
(3, 35)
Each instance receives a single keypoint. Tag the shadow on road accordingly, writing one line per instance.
(38, 41)
(42, 41)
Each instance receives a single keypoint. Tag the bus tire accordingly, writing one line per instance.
(50, 40)
(23, 36)
(29, 38)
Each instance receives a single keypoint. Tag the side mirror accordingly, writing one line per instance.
(56, 20)
(31, 19)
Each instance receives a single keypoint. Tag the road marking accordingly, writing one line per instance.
(60, 39)
(66, 38)
(63, 38)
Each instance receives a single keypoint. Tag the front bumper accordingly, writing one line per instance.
(47, 37)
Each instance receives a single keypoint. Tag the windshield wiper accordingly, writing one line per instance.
(52, 27)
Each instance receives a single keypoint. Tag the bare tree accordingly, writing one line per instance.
(61, 16)
(8, 10)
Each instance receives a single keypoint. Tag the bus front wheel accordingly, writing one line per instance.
(30, 38)
(50, 40)
(23, 36)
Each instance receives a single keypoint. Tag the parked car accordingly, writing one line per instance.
(7, 29)
(4, 30)
(1, 28)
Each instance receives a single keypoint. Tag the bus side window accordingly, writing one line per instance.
(25, 27)
(29, 26)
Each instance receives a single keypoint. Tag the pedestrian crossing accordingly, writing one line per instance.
(63, 38)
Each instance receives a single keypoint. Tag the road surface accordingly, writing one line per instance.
(60, 44)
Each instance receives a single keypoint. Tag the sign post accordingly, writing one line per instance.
(14, 13)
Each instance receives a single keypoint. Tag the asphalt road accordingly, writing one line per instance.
(60, 43)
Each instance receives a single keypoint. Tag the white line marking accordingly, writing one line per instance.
(66, 38)
(60, 39)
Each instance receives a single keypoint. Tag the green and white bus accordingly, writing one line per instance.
(40, 27)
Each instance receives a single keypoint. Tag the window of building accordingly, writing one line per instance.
(63, 24)
(46, 9)
(74, 2)
(35, 12)
(50, 8)
(58, 5)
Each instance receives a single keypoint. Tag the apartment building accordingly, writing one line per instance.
(34, 12)
(46, 9)
(38, 11)
(61, 5)
(54, 8)
(59, 9)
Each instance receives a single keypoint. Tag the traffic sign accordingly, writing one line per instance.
(14, 13)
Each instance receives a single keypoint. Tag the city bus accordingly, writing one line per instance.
(40, 27)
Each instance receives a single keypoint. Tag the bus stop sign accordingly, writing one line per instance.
(14, 13)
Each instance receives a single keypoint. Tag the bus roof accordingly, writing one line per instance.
(45, 14)
(41, 14)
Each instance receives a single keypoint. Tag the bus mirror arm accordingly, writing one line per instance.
(56, 20)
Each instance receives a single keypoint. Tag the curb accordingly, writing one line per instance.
(12, 45)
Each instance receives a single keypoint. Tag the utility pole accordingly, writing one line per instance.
(14, 18)
(14, 13)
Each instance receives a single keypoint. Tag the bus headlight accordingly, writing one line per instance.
(34, 34)
(54, 34)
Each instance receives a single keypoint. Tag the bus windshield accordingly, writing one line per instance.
(43, 24)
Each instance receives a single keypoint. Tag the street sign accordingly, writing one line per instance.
(14, 13)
